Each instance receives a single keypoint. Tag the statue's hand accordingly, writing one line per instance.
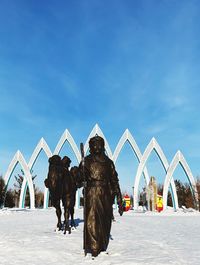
(120, 208)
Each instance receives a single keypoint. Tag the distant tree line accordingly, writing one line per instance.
(10, 198)
(184, 192)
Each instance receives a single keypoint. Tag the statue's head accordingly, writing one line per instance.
(97, 145)
(55, 172)
(55, 160)
(74, 171)
(66, 161)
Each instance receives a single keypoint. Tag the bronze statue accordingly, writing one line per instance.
(62, 186)
(101, 185)
(69, 193)
(54, 184)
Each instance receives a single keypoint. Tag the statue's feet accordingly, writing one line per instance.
(59, 226)
(94, 253)
(67, 229)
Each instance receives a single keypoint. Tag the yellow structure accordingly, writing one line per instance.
(159, 205)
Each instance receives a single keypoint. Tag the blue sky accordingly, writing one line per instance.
(121, 64)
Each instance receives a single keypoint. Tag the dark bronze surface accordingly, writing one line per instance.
(102, 185)
(62, 186)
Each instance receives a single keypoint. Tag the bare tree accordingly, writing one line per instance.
(18, 186)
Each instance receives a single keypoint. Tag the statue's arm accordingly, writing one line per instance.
(82, 174)
(116, 191)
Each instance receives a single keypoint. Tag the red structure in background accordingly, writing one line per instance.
(126, 203)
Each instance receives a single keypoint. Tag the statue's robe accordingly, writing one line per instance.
(101, 184)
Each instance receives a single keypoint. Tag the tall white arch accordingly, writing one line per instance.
(42, 145)
(153, 145)
(66, 136)
(178, 159)
(18, 158)
(127, 137)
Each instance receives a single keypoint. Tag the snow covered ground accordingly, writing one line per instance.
(28, 237)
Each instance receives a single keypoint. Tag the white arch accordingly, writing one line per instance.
(178, 158)
(18, 158)
(153, 145)
(42, 145)
(127, 136)
(98, 131)
(66, 136)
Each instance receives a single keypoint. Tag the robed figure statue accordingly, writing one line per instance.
(101, 186)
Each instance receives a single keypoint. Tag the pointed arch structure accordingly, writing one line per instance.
(66, 136)
(127, 137)
(18, 158)
(178, 159)
(42, 145)
(153, 145)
